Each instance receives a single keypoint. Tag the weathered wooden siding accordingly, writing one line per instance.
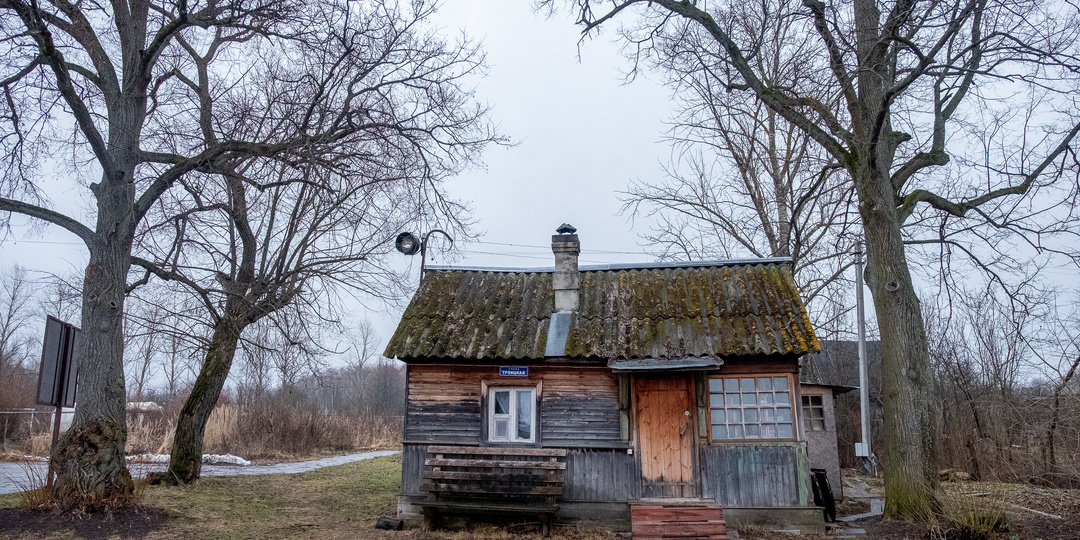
(412, 467)
(601, 475)
(443, 405)
(754, 475)
(579, 406)
(592, 474)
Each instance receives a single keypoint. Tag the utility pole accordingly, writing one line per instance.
(863, 449)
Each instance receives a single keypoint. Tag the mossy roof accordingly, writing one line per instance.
(722, 310)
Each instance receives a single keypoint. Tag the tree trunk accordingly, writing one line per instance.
(89, 457)
(907, 383)
(185, 465)
(1049, 459)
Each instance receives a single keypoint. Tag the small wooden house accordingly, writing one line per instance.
(646, 384)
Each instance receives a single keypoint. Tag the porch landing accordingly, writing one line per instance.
(686, 519)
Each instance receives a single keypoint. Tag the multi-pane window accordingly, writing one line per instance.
(751, 407)
(813, 413)
(512, 414)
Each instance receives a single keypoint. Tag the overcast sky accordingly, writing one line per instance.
(582, 135)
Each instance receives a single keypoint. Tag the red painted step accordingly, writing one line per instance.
(686, 521)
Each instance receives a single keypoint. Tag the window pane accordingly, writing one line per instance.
(750, 416)
(731, 385)
(768, 415)
(524, 414)
(735, 432)
(783, 414)
(716, 401)
(818, 425)
(502, 402)
(501, 425)
(806, 401)
(765, 398)
(748, 385)
(749, 399)
(815, 400)
(716, 385)
(783, 431)
(734, 416)
(719, 432)
(780, 384)
(753, 432)
(782, 398)
(764, 384)
(732, 400)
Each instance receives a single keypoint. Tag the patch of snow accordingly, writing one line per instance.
(224, 459)
(149, 458)
(208, 459)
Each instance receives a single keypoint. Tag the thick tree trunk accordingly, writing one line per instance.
(185, 465)
(89, 458)
(907, 385)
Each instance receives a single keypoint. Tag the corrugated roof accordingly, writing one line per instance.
(725, 310)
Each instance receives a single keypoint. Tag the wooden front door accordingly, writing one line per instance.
(665, 427)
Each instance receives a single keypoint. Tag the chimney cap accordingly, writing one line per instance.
(566, 228)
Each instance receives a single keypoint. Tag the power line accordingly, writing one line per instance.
(46, 242)
(549, 247)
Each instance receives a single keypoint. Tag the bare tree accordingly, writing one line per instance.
(16, 345)
(1058, 352)
(145, 335)
(160, 91)
(261, 235)
(918, 82)
(61, 297)
(362, 350)
(742, 180)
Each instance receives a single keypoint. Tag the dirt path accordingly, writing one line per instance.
(14, 475)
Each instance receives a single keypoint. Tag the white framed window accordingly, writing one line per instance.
(751, 407)
(512, 414)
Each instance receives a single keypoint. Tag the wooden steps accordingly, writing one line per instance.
(678, 520)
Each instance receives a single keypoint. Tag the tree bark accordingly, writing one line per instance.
(185, 465)
(89, 458)
(907, 384)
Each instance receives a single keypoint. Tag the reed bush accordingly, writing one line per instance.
(277, 430)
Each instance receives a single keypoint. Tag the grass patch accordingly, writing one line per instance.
(316, 503)
(335, 502)
(339, 502)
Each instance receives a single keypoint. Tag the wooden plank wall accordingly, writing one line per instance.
(443, 405)
(579, 406)
(592, 474)
(753, 475)
(599, 475)
(412, 467)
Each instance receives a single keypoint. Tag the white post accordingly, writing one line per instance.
(863, 449)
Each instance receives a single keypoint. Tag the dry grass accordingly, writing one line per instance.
(270, 431)
(274, 431)
(336, 503)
